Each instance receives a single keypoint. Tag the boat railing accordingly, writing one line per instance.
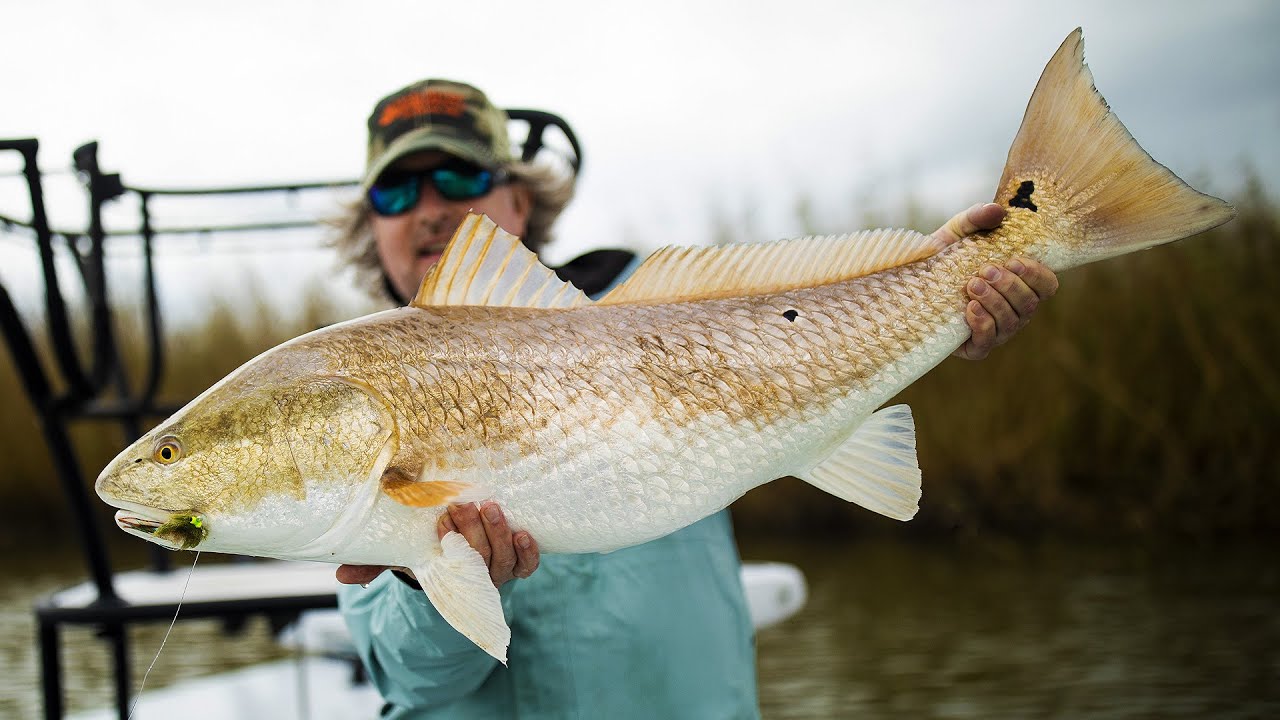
(86, 379)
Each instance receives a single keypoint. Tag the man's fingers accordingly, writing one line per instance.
(983, 216)
(527, 557)
(508, 555)
(1006, 298)
(444, 525)
(1042, 281)
(466, 518)
(982, 333)
(503, 558)
(358, 574)
(1002, 300)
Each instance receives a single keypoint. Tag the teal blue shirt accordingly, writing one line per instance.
(659, 630)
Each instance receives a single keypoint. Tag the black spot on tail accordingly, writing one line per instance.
(1023, 198)
(790, 315)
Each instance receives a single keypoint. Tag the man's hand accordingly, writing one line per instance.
(509, 555)
(1001, 299)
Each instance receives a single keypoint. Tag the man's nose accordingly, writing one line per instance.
(431, 204)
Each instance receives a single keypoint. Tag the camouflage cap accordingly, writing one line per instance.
(434, 114)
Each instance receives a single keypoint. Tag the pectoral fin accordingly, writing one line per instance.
(457, 582)
(402, 488)
(876, 467)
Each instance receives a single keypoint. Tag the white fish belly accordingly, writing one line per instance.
(639, 482)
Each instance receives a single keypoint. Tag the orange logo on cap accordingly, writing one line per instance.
(432, 102)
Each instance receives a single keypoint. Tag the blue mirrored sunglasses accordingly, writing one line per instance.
(396, 191)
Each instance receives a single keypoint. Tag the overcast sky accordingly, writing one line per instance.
(686, 109)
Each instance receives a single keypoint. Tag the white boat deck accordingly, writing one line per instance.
(210, 583)
(320, 683)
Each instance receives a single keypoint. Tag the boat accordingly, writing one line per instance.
(323, 680)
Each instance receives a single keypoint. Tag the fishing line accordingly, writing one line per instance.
(134, 705)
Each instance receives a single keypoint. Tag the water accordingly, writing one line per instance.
(996, 630)
(195, 648)
(892, 630)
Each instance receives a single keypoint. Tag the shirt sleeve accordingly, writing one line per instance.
(411, 654)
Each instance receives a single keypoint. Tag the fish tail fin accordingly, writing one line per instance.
(1099, 192)
(876, 466)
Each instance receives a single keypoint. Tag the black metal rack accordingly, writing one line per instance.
(95, 387)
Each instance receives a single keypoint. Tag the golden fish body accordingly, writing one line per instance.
(605, 426)
(601, 425)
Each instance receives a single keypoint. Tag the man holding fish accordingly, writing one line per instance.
(659, 629)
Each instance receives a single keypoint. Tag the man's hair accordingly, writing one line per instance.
(550, 192)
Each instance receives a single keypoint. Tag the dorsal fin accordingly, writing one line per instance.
(685, 273)
(486, 265)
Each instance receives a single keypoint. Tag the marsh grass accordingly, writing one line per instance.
(1140, 403)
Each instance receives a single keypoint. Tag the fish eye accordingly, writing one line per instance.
(167, 451)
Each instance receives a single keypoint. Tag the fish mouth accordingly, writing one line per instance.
(138, 524)
(173, 530)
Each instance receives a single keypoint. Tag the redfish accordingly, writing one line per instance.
(599, 425)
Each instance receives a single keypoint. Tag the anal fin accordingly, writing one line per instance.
(876, 467)
(458, 584)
